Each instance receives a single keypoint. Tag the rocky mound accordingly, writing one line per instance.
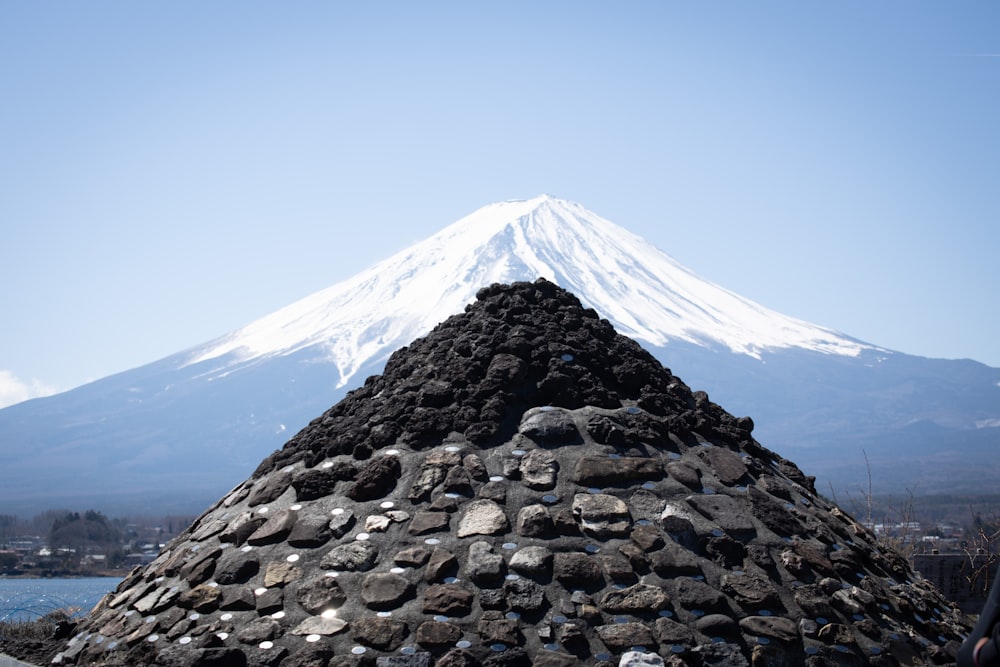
(523, 486)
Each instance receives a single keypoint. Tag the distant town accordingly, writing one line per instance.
(63, 543)
(947, 539)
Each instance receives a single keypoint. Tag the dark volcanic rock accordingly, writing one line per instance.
(522, 486)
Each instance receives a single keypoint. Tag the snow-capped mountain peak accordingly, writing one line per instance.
(644, 292)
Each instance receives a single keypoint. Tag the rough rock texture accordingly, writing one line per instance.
(523, 486)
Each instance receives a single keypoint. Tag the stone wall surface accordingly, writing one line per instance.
(523, 486)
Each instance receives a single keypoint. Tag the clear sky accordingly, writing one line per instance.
(170, 171)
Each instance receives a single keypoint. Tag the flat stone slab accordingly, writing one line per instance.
(483, 517)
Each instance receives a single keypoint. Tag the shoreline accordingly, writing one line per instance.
(108, 574)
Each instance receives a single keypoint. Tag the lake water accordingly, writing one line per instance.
(27, 599)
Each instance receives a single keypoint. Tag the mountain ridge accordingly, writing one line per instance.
(189, 425)
(521, 240)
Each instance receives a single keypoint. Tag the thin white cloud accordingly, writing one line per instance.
(14, 390)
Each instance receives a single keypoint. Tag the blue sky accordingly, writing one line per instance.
(171, 171)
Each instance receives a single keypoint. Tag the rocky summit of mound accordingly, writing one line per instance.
(523, 486)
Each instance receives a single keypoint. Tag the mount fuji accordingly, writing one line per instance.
(173, 435)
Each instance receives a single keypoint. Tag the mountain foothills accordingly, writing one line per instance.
(171, 436)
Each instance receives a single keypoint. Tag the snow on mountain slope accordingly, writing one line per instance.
(644, 292)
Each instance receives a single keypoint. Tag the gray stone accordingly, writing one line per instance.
(270, 601)
(310, 531)
(669, 631)
(837, 633)
(539, 469)
(483, 517)
(458, 480)
(279, 573)
(355, 556)
(722, 655)
(494, 491)
(645, 504)
(525, 596)
(320, 625)
(447, 599)
(341, 523)
(549, 427)
(318, 594)
(184, 656)
(639, 659)
(382, 633)
(436, 633)
(774, 486)
(684, 473)
(546, 658)
(751, 590)
(153, 601)
(441, 564)
(483, 566)
(673, 560)
(618, 569)
(577, 570)
(639, 599)
(319, 482)
(573, 635)
(237, 568)
(725, 551)
(813, 601)
(476, 467)
(398, 516)
(603, 471)
(534, 521)
(728, 513)
(494, 628)
(376, 479)
(774, 627)
(442, 458)
(312, 655)
(677, 521)
(385, 590)
(377, 523)
(444, 503)
(275, 529)
(258, 630)
(201, 568)
(269, 488)
(412, 557)
(773, 515)
(202, 598)
(692, 594)
(412, 660)
(510, 466)
(426, 481)
(457, 657)
(850, 602)
(717, 625)
(623, 636)
(601, 515)
(428, 522)
(726, 464)
(492, 598)
(532, 561)
(237, 598)
(813, 557)
(636, 557)
(647, 537)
